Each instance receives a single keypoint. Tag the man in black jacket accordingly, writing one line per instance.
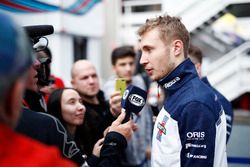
(98, 116)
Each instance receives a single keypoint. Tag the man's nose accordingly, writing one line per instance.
(143, 59)
(128, 67)
(91, 80)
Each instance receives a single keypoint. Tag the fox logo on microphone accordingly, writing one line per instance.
(136, 100)
(133, 100)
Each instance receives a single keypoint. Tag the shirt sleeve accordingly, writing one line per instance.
(197, 133)
(114, 144)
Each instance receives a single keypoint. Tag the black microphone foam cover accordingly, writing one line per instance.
(39, 30)
(133, 100)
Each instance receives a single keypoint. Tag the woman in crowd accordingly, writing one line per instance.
(66, 105)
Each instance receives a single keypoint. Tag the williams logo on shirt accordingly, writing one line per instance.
(161, 128)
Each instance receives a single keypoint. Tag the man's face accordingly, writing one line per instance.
(86, 80)
(157, 56)
(32, 79)
(125, 68)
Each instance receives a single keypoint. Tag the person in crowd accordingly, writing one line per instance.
(98, 116)
(123, 64)
(195, 55)
(33, 99)
(51, 82)
(15, 59)
(66, 105)
(190, 129)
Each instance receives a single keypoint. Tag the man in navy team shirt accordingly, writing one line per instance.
(190, 129)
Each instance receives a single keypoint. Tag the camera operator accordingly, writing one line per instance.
(33, 99)
(46, 81)
(38, 77)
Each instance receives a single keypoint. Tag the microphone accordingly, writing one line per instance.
(39, 30)
(133, 100)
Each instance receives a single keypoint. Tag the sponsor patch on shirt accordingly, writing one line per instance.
(195, 135)
(161, 128)
(188, 145)
(172, 82)
(189, 155)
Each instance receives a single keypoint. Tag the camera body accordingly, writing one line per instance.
(35, 33)
(44, 72)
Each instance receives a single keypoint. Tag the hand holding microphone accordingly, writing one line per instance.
(133, 100)
(125, 129)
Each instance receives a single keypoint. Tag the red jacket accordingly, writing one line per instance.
(18, 150)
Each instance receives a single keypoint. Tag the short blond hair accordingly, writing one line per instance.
(170, 28)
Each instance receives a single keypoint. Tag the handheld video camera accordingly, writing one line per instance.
(36, 33)
(44, 71)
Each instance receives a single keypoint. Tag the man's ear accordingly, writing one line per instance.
(13, 102)
(177, 47)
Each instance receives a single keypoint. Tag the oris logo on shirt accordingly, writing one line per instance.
(195, 135)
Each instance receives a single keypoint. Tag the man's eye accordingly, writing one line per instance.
(84, 78)
(148, 49)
